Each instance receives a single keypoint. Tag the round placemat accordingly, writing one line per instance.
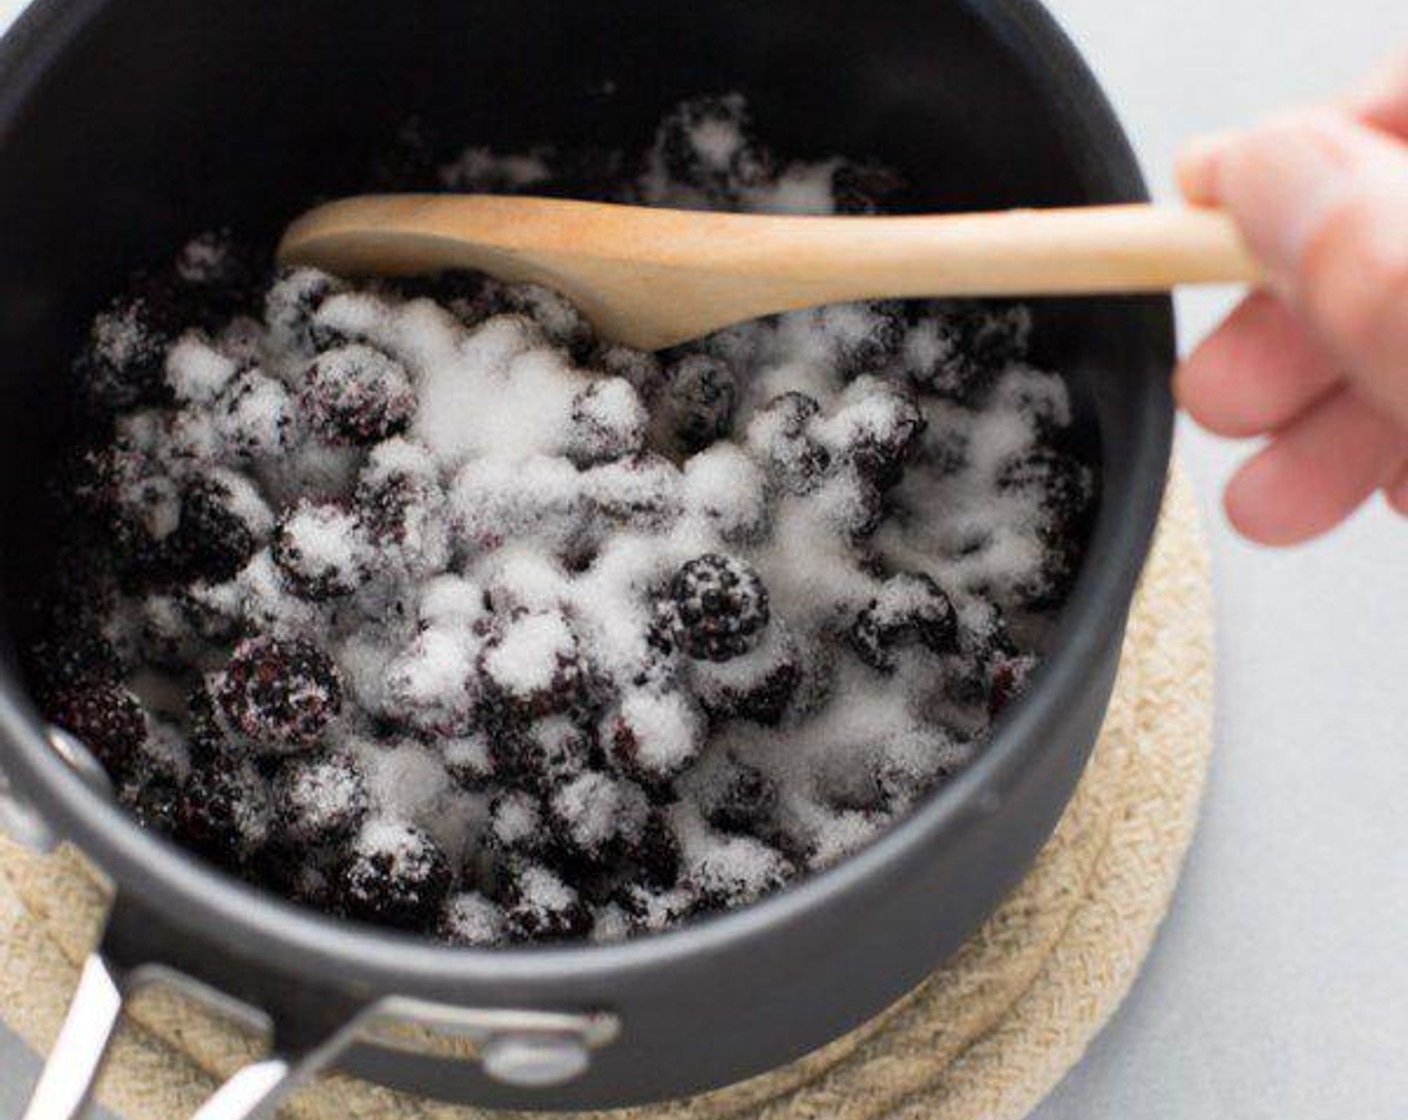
(984, 1038)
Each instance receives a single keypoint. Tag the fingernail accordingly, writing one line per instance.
(1282, 181)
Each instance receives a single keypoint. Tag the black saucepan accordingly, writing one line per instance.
(126, 124)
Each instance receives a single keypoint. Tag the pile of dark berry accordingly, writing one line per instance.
(418, 604)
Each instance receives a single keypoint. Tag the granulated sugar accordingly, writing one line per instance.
(499, 633)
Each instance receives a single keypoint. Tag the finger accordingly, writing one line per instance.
(1314, 472)
(1382, 100)
(1324, 203)
(1397, 490)
(1259, 370)
(1195, 166)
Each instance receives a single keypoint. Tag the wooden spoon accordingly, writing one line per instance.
(652, 278)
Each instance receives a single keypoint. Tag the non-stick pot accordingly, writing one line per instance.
(126, 124)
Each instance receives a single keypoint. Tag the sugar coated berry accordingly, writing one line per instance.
(224, 520)
(540, 906)
(741, 798)
(653, 736)
(721, 607)
(876, 433)
(321, 549)
(516, 824)
(597, 817)
(292, 302)
(699, 401)
(355, 394)
(280, 692)
(225, 810)
(736, 870)
(607, 422)
(127, 342)
(781, 435)
(706, 146)
(320, 800)
(76, 656)
(255, 416)
(471, 920)
(395, 875)
(910, 609)
(534, 664)
(105, 718)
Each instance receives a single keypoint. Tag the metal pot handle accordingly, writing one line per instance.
(65, 1087)
(528, 1048)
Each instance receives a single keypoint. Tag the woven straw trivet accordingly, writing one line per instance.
(987, 1036)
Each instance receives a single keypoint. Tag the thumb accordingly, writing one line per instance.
(1323, 202)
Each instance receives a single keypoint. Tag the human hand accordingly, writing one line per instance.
(1318, 360)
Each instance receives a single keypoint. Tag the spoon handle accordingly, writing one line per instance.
(1078, 250)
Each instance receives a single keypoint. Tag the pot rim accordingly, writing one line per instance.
(260, 926)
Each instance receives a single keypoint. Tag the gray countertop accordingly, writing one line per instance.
(1279, 984)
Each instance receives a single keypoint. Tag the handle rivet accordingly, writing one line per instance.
(534, 1060)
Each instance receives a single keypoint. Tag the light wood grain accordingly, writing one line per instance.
(653, 278)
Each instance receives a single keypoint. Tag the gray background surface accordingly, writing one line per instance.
(1279, 984)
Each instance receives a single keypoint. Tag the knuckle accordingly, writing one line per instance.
(1355, 277)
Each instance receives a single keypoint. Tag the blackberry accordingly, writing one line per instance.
(319, 800)
(225, 813)
(431, 684)
(75, 657)
(280, 692)
(469, 760)
(395, 875)
(1059, 484)
(638, 368)
(780, 434)
(861, 188)
(597, 818)
(357, 395)
(707, 145)
(1061, 488)
(105, 718)
(721, 607)
(142, 530)
(742, 799)
(655, 861)
(472, 921)
(608, 422)
(544, 753)
(957, 350)
(534, 665)
(763, 693)
(516, 825)
(224, 521)
(255, 416)
(155, 799)
(219, 272)
(1007, 680)
(321, 549)
(652, 910)
(698, 407)
(539, 906)
(651, 737)
(403, 506)
(877, 433)
(291, 303)
(864, 337)
(559, 320)
(127, 342)
(910, 609)
(639, 491)
(736, 870)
